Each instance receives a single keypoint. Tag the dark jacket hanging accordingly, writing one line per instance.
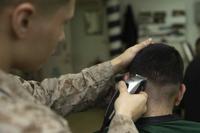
(130, 28)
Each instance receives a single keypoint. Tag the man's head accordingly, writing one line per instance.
(31, 29)
(163, 67)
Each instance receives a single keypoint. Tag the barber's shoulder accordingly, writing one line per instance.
(21, 115)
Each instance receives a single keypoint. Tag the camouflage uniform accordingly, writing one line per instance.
(25, 105)
(122, 124)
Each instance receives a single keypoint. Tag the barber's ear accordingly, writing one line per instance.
(180, 95)
(21, 19)
(126, 76)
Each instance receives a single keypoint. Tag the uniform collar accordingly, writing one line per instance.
(156, 120)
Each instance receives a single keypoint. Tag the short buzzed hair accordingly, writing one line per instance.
(163, 66)
(44, 4)
(160, 63)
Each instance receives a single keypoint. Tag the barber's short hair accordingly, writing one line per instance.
(160, 63)
(41, 3)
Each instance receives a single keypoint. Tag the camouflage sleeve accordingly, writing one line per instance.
(122, 124)
(21, 116)
(72, 92)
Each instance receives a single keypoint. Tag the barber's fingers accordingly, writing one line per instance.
(144, 94)
(143, 44)
(144, 97)
(122, 87)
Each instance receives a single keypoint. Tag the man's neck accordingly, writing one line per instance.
(157, 110)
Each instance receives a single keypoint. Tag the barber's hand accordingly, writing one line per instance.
(123, 60)
(130, 105)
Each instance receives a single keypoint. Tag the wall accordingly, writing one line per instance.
(86, 48)
(188, 5)
(193, 31)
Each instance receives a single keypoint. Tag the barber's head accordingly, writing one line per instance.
(31, 29)
(163, 66)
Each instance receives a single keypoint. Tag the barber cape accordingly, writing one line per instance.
(167, 124)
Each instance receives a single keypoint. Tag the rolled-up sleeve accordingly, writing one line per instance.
(122, 124)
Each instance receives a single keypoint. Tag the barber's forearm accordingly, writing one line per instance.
(77, 91)
(116, 65)
(122, 124)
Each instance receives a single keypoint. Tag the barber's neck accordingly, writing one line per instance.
(5, 57)
(155, 109)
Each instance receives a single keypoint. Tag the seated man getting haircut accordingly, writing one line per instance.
(163, 67)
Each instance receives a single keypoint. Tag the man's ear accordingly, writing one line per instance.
(126, 76)
(21, 18)
(180, 95)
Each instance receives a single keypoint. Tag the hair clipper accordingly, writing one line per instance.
(134, 85)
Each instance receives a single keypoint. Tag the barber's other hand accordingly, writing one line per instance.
(125, 58)
(130, 105)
